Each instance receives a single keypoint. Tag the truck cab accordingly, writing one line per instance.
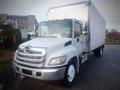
(56, 53)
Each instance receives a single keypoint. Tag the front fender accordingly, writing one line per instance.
(69, 51)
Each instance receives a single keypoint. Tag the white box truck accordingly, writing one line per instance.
(62, 44)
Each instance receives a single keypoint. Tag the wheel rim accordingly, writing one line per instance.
(71, 73)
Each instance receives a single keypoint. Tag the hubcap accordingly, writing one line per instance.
(71, 73)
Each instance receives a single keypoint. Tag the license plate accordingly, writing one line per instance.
(27, 71)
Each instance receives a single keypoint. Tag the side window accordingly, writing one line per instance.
(77, 29)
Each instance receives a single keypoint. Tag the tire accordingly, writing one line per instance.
(70, 75)
(86, 57)
(98, 52)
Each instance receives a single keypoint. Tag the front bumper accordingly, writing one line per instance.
(42, 74)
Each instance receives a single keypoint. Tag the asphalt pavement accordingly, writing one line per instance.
(97, 74)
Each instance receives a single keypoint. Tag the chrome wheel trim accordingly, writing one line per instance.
(71, 73)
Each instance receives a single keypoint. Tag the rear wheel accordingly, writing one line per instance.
(98, 52)
(86, 57)
(70, 74)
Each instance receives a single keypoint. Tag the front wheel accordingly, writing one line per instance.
(70, 75)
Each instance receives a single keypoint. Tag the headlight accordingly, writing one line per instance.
(57, 61)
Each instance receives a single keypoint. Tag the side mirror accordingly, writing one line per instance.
(85, 32)
(31, 36)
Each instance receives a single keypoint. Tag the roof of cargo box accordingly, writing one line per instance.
(82, 2)
(77, 11)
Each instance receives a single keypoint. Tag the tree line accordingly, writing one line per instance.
(10, 36)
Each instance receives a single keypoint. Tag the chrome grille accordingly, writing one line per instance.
(28, 56)
(31, 57)
(31, 52)
(29, 61)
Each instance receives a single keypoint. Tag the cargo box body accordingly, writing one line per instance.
(83, 11)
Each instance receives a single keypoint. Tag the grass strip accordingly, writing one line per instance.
(5, 64)
(112, 42)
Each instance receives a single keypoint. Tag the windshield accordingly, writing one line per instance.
(58, 28)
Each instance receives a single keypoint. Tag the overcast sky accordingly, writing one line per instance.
(110, 9)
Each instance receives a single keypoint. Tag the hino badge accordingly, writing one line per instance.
(62, 44)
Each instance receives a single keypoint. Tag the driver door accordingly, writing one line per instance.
(78, 38)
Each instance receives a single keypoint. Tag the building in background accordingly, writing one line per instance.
(113, 37)
(24, 23)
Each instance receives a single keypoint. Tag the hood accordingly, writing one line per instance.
(45, 42)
